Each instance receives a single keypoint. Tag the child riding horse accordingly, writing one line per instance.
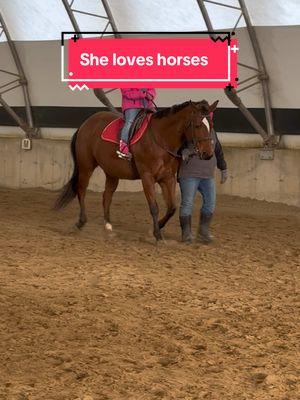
(133, 101)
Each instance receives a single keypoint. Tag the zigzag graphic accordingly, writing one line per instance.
(220, 38)
(78, 87)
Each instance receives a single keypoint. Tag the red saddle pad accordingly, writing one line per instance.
(111, 132)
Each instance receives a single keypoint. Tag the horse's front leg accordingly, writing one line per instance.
(168, 187)
(111, 185)
(149, 190)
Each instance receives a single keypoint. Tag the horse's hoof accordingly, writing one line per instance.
(80, 224)
(108, 230)
(160, 241)
(108, 227)
(72, 229)
(164, 243)
(187, 241)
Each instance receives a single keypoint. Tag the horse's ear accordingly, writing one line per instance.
(213, 106)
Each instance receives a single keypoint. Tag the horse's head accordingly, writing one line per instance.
(199, 128)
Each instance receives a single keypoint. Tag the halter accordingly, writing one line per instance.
(195, 123)
(191, 124)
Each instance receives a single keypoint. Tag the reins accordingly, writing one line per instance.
(176, 155)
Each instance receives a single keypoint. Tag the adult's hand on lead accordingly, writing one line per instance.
(224, 176)
(185, 155)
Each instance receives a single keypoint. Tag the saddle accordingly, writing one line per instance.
(111, 132)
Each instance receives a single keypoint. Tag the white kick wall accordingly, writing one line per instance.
(49, 165)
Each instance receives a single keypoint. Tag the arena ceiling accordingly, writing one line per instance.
(44, 20)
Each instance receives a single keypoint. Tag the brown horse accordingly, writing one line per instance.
(155, 157)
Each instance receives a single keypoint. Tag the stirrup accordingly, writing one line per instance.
(124, 156)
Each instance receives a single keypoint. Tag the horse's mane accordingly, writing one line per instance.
(203, 106)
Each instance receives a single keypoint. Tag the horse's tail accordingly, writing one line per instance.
(69, 191)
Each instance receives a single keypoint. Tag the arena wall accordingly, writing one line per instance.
(48, 164)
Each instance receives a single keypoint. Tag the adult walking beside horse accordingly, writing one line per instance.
(155, 158)
(198, 175)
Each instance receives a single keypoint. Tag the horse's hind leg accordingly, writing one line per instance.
(111, 185)
(83, 182)
(168, 190)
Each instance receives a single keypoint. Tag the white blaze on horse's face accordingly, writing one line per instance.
(206, 142)
(206, 123)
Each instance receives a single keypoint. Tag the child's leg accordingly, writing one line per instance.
(130, 115)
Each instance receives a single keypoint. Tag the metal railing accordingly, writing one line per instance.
(17, 80)
(260, 76)
(99, 93)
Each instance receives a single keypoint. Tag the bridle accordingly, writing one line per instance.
(195, 123)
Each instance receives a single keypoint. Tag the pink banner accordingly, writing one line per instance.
(160, 63)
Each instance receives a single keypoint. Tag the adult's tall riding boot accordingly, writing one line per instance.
(185, 223)
(203, 230)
